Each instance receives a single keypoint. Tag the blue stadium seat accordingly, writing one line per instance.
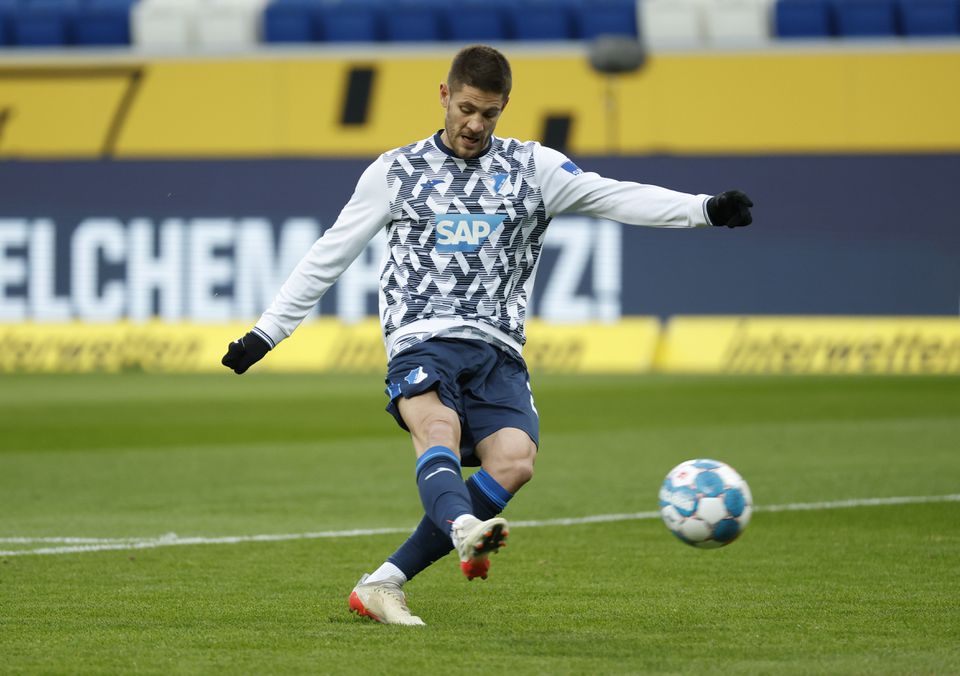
(605, 17)
(866, 18)
(103, 22)
(414, 21)
(930, 17)
(540, 20)
(44, 23)
(476, 20)
(292, 21)
(7, 9)
(804, 19)
(352, 21)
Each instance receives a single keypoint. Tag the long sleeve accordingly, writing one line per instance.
(363, 216)
(567, 189)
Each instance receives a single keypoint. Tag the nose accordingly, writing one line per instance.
(475, 124)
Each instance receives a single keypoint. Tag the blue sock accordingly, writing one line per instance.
(428, 543)
(442, 491)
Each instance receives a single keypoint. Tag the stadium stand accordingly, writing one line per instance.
(540, 20)
(356, 21)
(804, 19)
(103, 22)
(672, 23)
(866, 18)
(737, 22)
(44, 23)
(931, 18)
(475, 21)
(414, 21)
(605, 17)
(292, 21)
(164, 24)
(6, 10)
(229, 24)
(189, 24)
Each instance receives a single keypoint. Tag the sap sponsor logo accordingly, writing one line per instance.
(464, 232)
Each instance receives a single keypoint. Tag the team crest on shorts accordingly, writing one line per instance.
(417, 375)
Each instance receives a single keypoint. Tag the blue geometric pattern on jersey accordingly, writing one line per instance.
(467, 273)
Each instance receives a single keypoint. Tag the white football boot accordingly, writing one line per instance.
(383, 601)
(474, 540)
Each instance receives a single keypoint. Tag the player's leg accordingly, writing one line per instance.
(422, 383)
(435, 430)
(507, 457)
(498, 405)
(428, 543)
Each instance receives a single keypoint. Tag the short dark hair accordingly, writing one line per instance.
(482, 67)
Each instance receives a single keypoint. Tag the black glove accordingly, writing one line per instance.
(244, 353)
(731, 208)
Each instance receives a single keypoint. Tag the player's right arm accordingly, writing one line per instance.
(363, 216)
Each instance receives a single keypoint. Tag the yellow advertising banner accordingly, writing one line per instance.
(811, 345)
(324, 345)
(689, 344)
(293, 105)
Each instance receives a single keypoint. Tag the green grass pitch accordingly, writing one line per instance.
(858, 590)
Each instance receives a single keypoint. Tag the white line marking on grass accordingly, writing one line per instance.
(78, 545)
(85, 541)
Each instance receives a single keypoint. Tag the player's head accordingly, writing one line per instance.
(475, 93)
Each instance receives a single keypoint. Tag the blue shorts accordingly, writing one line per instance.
(489, 388)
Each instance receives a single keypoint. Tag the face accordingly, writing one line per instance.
(471, 117)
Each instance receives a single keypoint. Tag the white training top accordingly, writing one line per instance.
(464, 237)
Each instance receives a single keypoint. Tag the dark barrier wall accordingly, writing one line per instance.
(832, 235)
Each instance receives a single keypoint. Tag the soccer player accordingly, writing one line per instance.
(465, 214)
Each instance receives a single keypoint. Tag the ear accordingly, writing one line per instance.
(444, 94)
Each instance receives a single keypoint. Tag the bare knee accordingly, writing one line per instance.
(508, 456)
(431, 423)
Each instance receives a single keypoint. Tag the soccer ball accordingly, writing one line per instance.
(705, 503)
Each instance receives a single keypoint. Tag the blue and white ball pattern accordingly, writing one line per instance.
(705, 503)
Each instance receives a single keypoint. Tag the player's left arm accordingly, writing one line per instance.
(568, 189)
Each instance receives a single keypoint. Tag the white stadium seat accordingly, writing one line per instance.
(230, 23)
(738, 22)
(672, 23)
(164, 24)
